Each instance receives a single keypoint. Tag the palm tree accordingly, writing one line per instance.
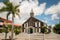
(11, 9)
(5, 29)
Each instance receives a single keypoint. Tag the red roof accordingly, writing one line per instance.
(3, 19)
(1, 23)
(9, 22)
(17, 25)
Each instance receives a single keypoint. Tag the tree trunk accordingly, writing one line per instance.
(6, 28)
(12, 31)
(5, 36)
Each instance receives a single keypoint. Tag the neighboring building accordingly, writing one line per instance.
(32, 25)
(3, 24)
(2, 20)
(9, 22)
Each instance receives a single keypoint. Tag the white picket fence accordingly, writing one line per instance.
(34, 36)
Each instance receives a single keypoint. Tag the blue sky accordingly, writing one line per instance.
(50, 10)
(0, 0)
(49, 3)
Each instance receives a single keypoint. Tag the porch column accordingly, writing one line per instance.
(27, 28)
(39, 24)
(39, 30)
(39, 27)
(33, 30)
(36, 30)
(35, 24)
(24, 28)
(36, 27)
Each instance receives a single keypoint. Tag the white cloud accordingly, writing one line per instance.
(39, 9)
(54, 10)
(55, 16)
(1, 5)
(46, 21)
(25, 9)
(3, 14)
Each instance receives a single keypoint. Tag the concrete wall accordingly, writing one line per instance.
(34, 36)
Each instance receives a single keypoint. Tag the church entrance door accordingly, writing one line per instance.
(30, 30)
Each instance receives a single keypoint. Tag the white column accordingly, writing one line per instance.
(39, 29)
(27, 28)
(35, 24)
(39, 24)
(36, 30)
(27, 25)
(24, 28)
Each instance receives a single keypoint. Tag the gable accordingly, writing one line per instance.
(32, 19)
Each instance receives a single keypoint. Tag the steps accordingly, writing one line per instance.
(34, 36)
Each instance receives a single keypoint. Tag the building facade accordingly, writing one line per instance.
(3, 20)
(32, 25)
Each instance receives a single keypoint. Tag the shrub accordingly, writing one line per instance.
(56, 28)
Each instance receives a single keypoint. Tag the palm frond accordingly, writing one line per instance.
(18, 10)
(3, 9)
(17, 6)
(13, 14)
(18, 15)
(5, 2)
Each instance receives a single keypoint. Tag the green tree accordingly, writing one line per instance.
(9, 28)
(1, 30)
(49, 30)
(56, 28)
(11, 9)
(5, 30)
(43, 29)
(17, 30)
